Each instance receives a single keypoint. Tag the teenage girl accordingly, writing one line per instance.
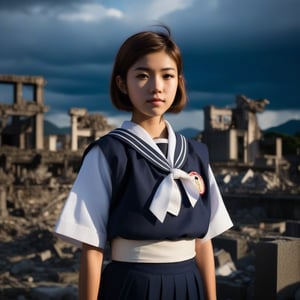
(145, 189)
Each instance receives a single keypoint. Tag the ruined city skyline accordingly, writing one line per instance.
(53, 126)
(22, 128)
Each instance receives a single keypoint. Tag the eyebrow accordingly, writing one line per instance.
(149, 69)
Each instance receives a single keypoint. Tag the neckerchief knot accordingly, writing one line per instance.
(167, 197)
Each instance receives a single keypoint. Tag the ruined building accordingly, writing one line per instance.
(22, 122)
(235, 131)
(90, 126)
(23, 145)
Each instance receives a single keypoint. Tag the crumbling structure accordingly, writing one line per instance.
(235, 131)
(24, 149)
(27, 156)
(91, 126)
(22, 123)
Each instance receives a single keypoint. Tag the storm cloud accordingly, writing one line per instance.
(229, 47)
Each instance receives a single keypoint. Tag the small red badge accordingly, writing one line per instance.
(199, 182)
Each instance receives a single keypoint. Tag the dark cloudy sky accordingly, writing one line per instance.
(230, 47)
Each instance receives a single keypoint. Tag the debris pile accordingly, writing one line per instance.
(254, 182)
(34, 264)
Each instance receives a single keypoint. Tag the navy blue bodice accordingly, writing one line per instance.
(134, 181)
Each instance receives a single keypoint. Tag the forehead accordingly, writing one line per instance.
(155, 60)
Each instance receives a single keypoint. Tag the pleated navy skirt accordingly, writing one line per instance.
(147, 281)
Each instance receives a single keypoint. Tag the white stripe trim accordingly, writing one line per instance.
(183, 152)
(157, 159)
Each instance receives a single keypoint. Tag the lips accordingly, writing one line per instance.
(155, 100)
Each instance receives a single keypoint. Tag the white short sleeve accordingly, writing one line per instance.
(219, 220)
(85, 213)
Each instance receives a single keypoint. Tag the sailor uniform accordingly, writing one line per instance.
(129, 193)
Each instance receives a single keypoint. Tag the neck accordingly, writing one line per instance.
(156, 127)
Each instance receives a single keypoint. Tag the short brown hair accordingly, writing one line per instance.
(137, 46)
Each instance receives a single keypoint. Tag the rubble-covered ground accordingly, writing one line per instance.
(34, 264)
(253, 182)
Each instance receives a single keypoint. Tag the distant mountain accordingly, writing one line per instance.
(50, 128)
(290, 127)
(189, 132)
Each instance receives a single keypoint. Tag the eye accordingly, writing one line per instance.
(168, 76)
(142, 76)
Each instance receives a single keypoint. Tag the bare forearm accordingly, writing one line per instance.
(90, 272)
(206, 265)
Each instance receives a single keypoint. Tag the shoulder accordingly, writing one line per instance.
(197, 145)
(192, 144)
(198, 148)
(110, 147)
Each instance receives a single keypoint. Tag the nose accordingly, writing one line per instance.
(156, 85)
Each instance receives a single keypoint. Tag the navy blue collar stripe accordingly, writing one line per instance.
(143, 151)
(151, 154)
(141, 147)
(145, 148)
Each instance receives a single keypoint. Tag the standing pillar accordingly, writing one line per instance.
(75, 113)
(39, 131)
(278, 154)
(39, 118)
(18, 91)
(3, 205)
(74, 137)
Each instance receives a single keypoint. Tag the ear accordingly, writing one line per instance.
(180, 79)
(121, 84)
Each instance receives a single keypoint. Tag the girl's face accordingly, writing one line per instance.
(151, 85)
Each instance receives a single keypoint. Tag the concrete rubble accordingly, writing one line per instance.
(35, 264)
(255, 182)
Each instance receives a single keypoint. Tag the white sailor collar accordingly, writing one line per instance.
(167, 197)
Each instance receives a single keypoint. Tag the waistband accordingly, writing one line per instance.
(152, 251)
